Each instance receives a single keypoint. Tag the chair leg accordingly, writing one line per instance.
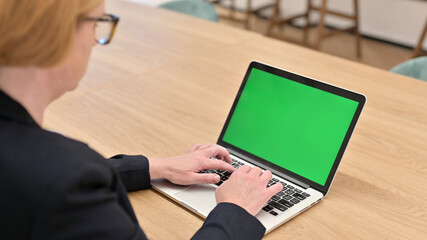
(321, 25)
(274, 17)
(418, 49)
(307, 22)
(356, 28)
(248, 13)
(232, 9)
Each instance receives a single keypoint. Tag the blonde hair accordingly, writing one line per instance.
(39, 32)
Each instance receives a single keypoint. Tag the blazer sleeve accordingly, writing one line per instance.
(133, 171)
(83, 204)
(229, 221)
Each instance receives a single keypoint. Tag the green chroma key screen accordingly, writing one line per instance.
(292, 125)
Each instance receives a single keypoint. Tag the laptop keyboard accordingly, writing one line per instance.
(279, 203)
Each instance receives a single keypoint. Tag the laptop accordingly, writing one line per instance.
(294, 126)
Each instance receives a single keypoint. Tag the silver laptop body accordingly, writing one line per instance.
(279, 115)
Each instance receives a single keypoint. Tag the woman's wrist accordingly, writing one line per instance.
(157, 168)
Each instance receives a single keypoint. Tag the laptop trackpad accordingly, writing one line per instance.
(200, 197)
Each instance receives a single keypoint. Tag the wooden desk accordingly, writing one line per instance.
(168, 81)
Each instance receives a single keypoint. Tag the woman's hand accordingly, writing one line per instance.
(247, 188)
(184, 169)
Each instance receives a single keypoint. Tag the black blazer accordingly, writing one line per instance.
(52, 187)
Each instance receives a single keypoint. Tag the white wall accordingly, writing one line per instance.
(399, 21)
(152, 3)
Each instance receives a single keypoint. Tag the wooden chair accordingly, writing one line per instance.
(232, 6)
(249, 10)
(419, 48)
(275, 19)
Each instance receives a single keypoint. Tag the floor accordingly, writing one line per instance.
(374, 53)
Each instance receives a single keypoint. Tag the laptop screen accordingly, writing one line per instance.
(290, 124)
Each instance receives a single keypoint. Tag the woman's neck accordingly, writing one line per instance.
(29, 86)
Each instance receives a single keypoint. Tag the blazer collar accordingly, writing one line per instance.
(13, 111)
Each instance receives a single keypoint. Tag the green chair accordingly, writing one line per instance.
(415, 68)
(196, 8)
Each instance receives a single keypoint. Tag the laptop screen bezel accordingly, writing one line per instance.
(309, 82)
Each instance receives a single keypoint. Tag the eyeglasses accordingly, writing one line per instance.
(104, 27)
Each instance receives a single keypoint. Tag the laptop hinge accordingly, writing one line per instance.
(275, 172)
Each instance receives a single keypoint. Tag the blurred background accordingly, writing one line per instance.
(391, 31)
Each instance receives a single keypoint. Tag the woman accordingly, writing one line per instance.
(52, 187)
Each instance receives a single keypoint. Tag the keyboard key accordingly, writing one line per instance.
(274, 213)
(275, 198)
(298, 196)
(267, 208)
(305, 194)
(280, 194)
(294, 201)
(298, 191)
(219, 183)
(275, 179)
(278, 206)
(289, 191)
(224, 178)
(285, 203)
(283, 183)
(291, 187)
(227, 174)
(287, 197)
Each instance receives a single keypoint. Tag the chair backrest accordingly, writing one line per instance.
(196, 8)
(415, 68)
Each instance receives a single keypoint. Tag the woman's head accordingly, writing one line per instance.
(45, 47)
(40, 33)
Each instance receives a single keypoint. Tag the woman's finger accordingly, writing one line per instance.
(266, 177)
(219, 152)
(217, 164)
(204, 178)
